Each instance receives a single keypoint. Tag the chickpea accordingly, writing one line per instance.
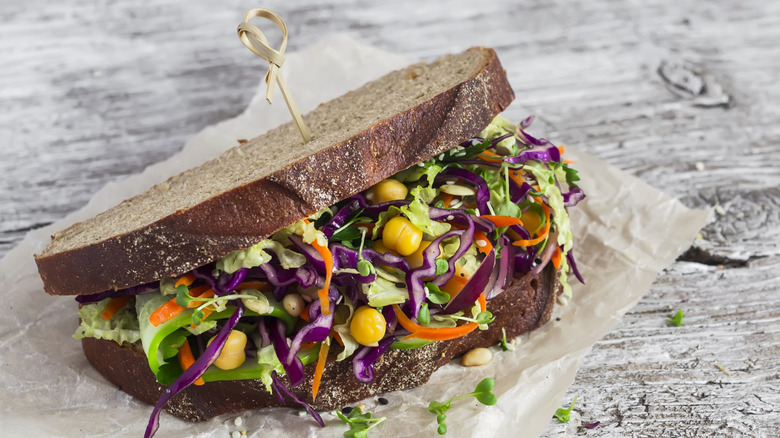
(401, 235)
(308, 294)
(293, 304)
(381, 248)
(387, 190)
(232, 355)
(415, 259)
(368, 326)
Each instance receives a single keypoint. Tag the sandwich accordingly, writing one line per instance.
(417, 225)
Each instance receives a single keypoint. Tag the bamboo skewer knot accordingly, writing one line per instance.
(254, 40)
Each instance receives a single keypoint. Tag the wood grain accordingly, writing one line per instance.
(682, 94)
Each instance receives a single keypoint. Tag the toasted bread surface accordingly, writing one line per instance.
(524, 306)
(255, 189)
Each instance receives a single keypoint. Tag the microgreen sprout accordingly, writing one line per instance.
(364, 267)
(563, 414)
(183, 299)
(424, 317)
(436, 295)
(348, 231)
(359, 423)
(504, 345)
(482, 318)
(441, 266)
(677, 319)
(483, 393)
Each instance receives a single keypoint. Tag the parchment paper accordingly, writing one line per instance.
(626, 233)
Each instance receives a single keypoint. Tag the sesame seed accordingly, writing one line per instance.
(450, 217)
(481, 243)
(235, 434)
(238, 421)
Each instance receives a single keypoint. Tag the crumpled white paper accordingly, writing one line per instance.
(626, 233)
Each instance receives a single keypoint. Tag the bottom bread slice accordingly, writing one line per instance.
(524, 306)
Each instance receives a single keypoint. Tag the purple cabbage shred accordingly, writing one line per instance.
(280, 388)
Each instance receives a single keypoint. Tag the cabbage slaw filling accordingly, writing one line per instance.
(469, 218)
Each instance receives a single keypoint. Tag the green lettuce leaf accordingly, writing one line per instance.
(266, 357)
(383, 292)
(499, 126)
(256, 255)
(122, 327)
(306, 230)
(417, 212)
(428, 169)
(350, 344)
(546, 179)
(168, 286)
(245, 258)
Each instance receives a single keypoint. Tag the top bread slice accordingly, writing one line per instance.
(271, 181)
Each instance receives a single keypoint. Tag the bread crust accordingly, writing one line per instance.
(524, 306)
(246, 214)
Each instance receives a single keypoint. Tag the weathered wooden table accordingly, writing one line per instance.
(682, 94)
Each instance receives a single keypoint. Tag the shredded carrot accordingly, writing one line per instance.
(517, 177)
(437, 334)
(543, 234)
(482, 242)
(503, 221)
(307, 345)
(337, 337)
(209, 293)
(253, 284)
(186, 359)
(405, 322)
(305, 314)
(562, 150)
(202, 292)
(328, 257)
(315, 384)
(186, 280)
(165, 313)
(170, 309)
(455, 284)
(556, 257)
(490, 157)
(446, 198)
(113, 306)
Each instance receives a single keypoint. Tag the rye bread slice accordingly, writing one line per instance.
(524, 306)
(257, 188)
